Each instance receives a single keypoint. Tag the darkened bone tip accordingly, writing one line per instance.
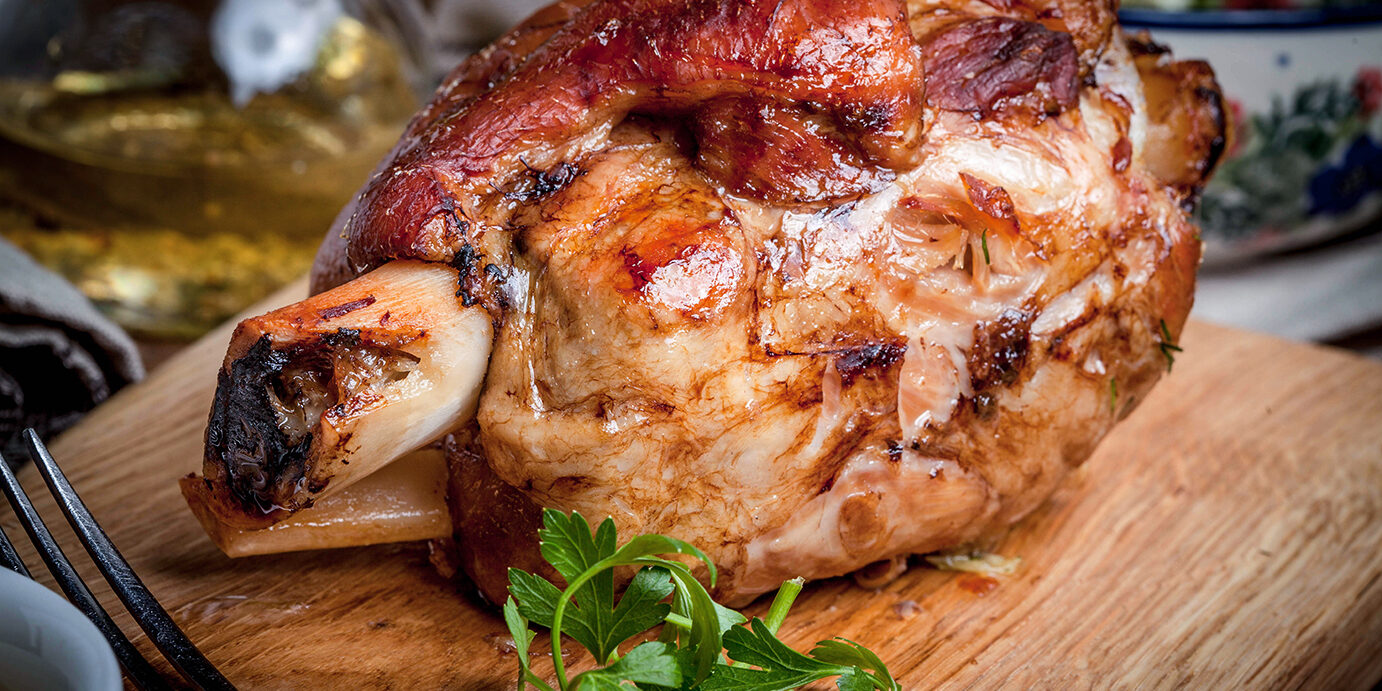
(243, 437)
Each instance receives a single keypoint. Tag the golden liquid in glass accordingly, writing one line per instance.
(173, 208)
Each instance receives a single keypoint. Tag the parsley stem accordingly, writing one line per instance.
(535, 680)
(557, 664)
(786, 595)
(683, 623)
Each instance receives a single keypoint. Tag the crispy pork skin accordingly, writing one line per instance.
(814, 284)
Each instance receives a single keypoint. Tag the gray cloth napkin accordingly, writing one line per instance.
(59, 357)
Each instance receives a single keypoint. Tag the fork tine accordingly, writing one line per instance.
(8, 557)
(141, 603)
(139, 670)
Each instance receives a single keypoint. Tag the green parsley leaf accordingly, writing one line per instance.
(522, 640)
(567, 544)
(842, 651)
(855, 682)
(650, 663)
(779, 667)
(598, 629)
(642, 607)
(984, 242)
(686, 662)
(696, 631)
(693, 602)
(536, 596)
(727, 617)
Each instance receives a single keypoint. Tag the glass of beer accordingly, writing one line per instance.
(180, 160)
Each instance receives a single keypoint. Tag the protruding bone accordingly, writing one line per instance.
(321, 393)
(1187, 120)
(402, 502)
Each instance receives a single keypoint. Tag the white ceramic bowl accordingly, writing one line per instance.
(45, 643)
(1305, 88)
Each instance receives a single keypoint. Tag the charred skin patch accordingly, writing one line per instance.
(480, 281)
(999, 354)
(783, 153)
(347, 308)
(464, 262)
(872, 358)
(895, 450)
(544, 183)
(342, 338)
(1000, 349)
(1141, 44)
(985, 65)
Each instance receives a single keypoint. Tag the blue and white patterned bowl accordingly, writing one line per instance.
(1305, 88)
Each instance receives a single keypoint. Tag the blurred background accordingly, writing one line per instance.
(178, 160)
(1291, 218)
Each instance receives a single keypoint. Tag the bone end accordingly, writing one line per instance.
(317, 395)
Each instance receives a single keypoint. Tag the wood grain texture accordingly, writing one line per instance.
(1227, 535)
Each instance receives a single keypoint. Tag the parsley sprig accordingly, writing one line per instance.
(697, 632)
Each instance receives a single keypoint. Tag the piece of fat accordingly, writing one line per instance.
(404, 501)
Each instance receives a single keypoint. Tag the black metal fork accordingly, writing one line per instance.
(151, 616)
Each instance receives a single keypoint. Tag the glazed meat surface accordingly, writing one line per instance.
(813, 284)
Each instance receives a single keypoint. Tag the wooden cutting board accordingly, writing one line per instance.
(1227, 535)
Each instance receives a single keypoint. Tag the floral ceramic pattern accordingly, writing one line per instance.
(1324, 138)
(1200, 5)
